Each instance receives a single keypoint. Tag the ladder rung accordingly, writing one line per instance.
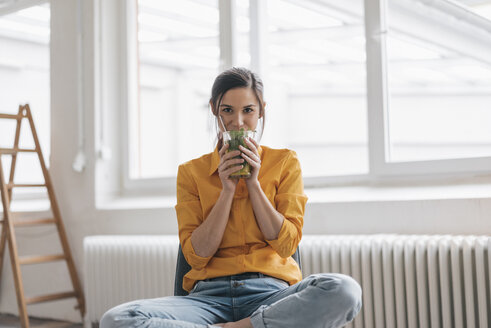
(52, 297)
(12, 151)
(10, 186)
(33, 222)
(10, 116)
(40, 259)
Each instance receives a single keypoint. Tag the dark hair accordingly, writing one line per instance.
(236, 77)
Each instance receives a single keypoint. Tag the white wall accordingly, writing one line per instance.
(76, 191)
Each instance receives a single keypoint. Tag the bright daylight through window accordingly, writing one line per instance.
(439, 80)
(25, 78)
(316, 65)
(314, 69)
(179, 56)
(315, 87)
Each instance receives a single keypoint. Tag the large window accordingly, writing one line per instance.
(24, 78)
(178, 59)
(179, 55)
(439, 65)
(316, 77)
(410, 98)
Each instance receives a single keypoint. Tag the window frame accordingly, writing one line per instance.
(4, 11)
(377, 110)
(130, 101)
(380, 169)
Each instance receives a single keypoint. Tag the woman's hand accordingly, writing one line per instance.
(251, 155)
(227, 166)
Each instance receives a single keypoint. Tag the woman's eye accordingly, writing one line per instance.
(248, 110)
(227, 110)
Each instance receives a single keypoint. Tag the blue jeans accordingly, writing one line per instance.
(320, 300)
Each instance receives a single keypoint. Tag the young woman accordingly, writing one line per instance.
(238, 236)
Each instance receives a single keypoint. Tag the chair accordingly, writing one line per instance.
(182, 267)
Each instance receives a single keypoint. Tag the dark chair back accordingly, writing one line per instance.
(182, 267)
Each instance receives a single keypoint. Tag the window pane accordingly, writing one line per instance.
(439, 81)
(179, 58)
(315, 89)
(480, 7)
(24, 78)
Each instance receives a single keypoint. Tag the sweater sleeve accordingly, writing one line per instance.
(189, 216)
(290, 201)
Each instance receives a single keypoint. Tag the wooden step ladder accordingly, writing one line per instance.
(8, 224)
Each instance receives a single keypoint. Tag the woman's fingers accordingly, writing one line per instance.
(250, 153)
(230, 162)
(232, 169)
(231, 154)
(253, 163)
(226, 155)
(252, 144)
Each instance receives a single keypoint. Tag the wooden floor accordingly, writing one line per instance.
(11, 321)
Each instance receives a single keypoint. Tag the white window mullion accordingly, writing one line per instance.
(129, 87)
(258, 11)
(228, 33)
(377, 99)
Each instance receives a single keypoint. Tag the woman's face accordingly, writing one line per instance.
(239, 109)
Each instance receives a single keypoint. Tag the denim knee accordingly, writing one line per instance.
(108, 320)
(347, 290)
(124, 315)
(131, 315)
(351, 293)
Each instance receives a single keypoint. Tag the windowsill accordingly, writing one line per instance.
(391, 193)
(335, 194)
(138, 202)
(339, 194)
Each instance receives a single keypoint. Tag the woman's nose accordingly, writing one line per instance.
(238, 121)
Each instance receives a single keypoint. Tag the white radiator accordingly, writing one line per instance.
(119, 268)
(407, 280)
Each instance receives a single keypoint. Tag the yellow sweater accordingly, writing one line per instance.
(243, 247)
